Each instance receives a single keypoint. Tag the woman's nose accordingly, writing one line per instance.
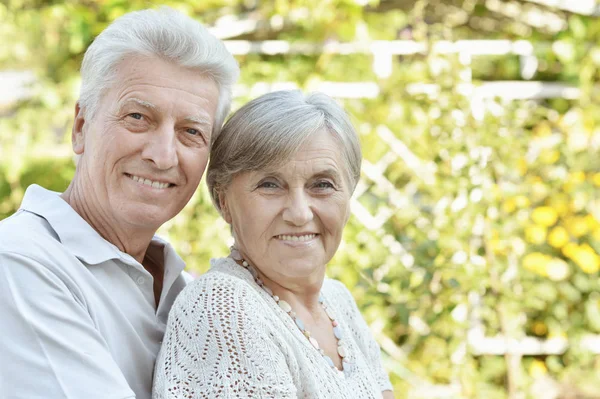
(298, 210)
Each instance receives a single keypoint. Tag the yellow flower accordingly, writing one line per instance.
(509, 206)
(542, 129)
(416, 279)
(596, 234)
(577, 177)
(560, 203)
(522, 201)
(596, 179)
(535, 234)
(540, 190)
(591, 221)
(544, 215)
(585, 257)
(557, 269)
(522, 167)
(550, 157)
(579, 201)
(536, 262)
(498, 246)
(558, 237)
(569, 249)
(539, 328)
(557, 334)
(537, 368)
(573, 181)
(577, 226)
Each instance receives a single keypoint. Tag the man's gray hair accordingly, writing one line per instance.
(163, 33)
(269, 130)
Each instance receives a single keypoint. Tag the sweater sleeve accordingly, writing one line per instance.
(218, 345)
(363, 335)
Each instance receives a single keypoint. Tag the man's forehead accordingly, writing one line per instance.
(142, 79)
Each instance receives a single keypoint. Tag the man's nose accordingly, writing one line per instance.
(161, 148)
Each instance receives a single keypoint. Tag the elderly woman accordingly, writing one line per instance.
(265, 322)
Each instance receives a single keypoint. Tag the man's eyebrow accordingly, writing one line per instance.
(199, 120)
(143, 103)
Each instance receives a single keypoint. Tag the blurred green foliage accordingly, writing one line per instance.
(503, 205)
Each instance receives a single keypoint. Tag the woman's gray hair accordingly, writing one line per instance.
(269, 130)
(163, 33)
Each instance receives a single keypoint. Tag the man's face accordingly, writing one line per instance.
(145, 149)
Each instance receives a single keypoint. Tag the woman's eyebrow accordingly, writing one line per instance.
(329, 172)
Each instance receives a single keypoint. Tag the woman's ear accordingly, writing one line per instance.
(77, 134)
(224, 207)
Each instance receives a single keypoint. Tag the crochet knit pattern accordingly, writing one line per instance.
(227, 338)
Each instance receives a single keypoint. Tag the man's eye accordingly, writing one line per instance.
(324, 184)
(136, 115)
(194, 132)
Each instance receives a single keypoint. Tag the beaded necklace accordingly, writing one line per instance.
(286, 307)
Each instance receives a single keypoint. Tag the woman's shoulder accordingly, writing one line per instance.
(224, 283)
(338, 296)
(223, 271)
(336, 288)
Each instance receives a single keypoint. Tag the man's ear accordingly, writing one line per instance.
(77, 136)
(224, 208)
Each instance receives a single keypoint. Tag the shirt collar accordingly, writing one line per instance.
(79, 237)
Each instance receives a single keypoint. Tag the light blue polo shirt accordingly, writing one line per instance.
(78, 318)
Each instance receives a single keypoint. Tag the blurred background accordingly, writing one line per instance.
(473, 249)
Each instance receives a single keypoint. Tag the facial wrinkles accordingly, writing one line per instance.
(90, 206)
(192, 111)
(299, 172)
(102, 215)
(160, 84)
(172, 175)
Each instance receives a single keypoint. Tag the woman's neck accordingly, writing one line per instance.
(300, 296)
(301, 293)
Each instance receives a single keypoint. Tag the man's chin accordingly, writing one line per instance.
(146, 216)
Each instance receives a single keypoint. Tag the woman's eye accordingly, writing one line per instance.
(267, 184)
(136, 115)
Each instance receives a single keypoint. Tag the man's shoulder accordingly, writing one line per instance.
(24, 232)
(28, 238)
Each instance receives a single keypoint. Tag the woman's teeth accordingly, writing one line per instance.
(306, 237)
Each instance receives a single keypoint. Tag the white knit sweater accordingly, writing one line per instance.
(227, 338)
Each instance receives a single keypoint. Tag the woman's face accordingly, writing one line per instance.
(288, 222)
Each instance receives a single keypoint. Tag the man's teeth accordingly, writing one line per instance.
(306, 237)
(154, 184)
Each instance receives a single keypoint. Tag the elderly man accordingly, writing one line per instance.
(85, 285)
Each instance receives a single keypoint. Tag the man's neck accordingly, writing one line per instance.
(128, 239)
(132, 241)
